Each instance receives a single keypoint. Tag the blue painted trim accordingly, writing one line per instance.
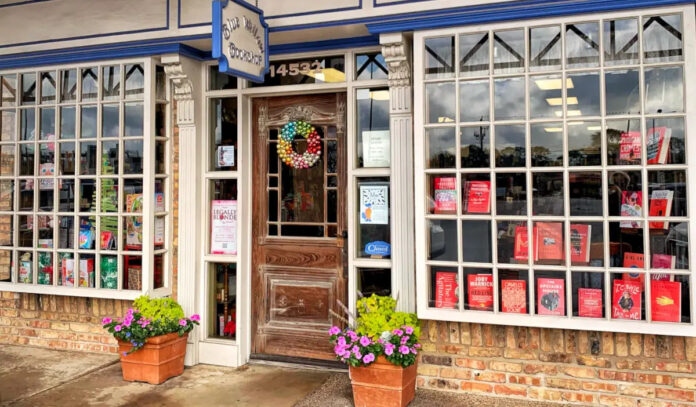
(218, 6)
(96, 53)
(515, 11)
(82, 37)
(359, 6)
(21, 3)
(342, 43)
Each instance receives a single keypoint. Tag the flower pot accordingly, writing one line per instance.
(383, 384)
(162, 357)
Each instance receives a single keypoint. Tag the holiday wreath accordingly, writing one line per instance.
(290, 156)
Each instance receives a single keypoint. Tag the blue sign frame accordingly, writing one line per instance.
(218, 6)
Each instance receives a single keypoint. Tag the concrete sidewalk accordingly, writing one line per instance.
(41, 377)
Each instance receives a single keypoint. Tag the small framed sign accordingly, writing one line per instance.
(240, 39)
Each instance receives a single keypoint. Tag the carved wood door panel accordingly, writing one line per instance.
(298, 257)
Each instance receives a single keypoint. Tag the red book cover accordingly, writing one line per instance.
(633, 260)
(657, 145)
(514, 296)
(660, 205)
(665, 304)
(445, 289)
(663, 261)
(480, 291)
(445, 195)
(625, 300)
(590, 302)
(580, 237)
(478, 197)
(550, 240)
(629, 149)
(551, 296)
(522, 243)
(631, 205)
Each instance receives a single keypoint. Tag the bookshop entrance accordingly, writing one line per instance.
(299, 239)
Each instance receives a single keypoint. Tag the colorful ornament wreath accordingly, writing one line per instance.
(290, 156)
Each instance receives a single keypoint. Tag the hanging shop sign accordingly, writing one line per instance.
(240, 39)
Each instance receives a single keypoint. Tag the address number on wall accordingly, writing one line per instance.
(295, 68)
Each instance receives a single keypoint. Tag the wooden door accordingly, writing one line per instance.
(299, 264)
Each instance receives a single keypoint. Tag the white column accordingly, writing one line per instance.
(185, 75)
(397, 54)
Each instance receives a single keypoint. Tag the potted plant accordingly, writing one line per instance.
(380, 350)
(152, 339)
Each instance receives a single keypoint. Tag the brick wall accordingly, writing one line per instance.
(564, 366)
(56, 322)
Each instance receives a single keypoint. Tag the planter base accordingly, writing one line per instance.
(383, 384)
(161, 358)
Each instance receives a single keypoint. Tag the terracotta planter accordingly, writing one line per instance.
(162, 357)
(383, 384)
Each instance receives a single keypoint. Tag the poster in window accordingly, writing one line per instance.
(590, 302)
(445, 195)
(374, 204)
(657, 145)
(223, 227)
(225, 156)
(376, 149)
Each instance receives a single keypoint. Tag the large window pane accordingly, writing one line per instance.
(508, 51)
(439, 57)
(473, 54)
(474, 101)
(621, 41)
(662, 38)
(582, 45)
(510, 99)
(545, 48)
(440, 102)
(547, 144)
(373, 137)
(622, 92)
(510, 147)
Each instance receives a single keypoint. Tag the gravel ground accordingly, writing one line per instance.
(336, 392)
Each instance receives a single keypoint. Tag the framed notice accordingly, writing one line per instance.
(374, 204)
(223, 227)
(376, 150)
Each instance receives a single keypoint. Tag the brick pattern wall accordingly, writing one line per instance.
(564, 366)
(56, 322)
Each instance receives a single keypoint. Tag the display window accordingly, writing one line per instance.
(84, 206)
(551, 172)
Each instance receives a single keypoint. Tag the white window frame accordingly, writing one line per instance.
(533, 320)
(148, 176)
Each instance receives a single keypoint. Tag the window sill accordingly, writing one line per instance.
(81, 291)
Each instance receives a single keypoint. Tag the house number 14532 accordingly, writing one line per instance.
(295, 68)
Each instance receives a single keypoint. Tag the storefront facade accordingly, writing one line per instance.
(448, 136)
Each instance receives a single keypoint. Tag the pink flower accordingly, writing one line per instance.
(404, 339)
(413, 350)
(346, 354)
(353, 336)
(365, 341)
(380, 340)
(417, 346)
(334, 330)
(341, 341)
(369, 358)
(398, 332)
(389, 348)
(339, 350)
(195, 317)
(403, 349)
(355, 349)
(106, 320)
(408, 329)
(182, 322)
(117, 328)
(358, 356)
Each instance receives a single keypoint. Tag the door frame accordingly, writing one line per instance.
(238, 352)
